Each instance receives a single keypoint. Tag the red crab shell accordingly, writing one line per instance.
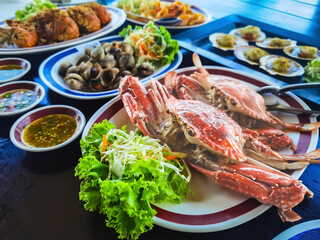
(209, 126)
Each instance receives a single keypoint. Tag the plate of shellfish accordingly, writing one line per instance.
(93, 70)
(235, 148)
(58, 27)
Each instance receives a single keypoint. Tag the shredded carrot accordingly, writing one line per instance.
(117, 45)
(171, 157)
(144, 48)
(105, 142)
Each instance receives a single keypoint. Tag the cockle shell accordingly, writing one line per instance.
(239, 52)
(266, 43)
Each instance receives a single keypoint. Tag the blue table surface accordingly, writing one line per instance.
(39, 193)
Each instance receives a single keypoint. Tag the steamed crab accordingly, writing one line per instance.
(213, 142)
(244, 105)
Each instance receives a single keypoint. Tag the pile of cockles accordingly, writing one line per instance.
(102, 67)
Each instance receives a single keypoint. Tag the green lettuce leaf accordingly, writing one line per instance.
(32, 8)
(312, 71)
(125, 198)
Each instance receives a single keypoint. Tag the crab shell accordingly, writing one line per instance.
(208, 127)
(238, 96)
(201, 123)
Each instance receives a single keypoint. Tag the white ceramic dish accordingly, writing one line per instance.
(33, 86)
(48, 70)
(193, 8)
(25, 64)
(18, 127)
(213, 208)
(118, 17)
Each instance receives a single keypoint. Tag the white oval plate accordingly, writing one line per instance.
(213, 208)
(118, 17)
(48, 70)
(194, 9)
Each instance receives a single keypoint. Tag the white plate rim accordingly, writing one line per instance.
(96, 95)
(117, 13)
(234, 221)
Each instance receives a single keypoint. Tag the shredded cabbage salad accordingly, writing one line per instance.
(32, 8)
(151, 43)
(123, 173)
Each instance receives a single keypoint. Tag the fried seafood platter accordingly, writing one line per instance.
(51, 28)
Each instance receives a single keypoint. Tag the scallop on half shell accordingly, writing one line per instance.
(302, 52)
(238, 32)
(214, 39)
(276, 43)
(250, 54)
(283, 66)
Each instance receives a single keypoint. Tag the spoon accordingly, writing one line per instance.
(278, 90)
(282, 108)
(170, 21)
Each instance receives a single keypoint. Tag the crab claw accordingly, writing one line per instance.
(266, 185)
(295, 126)
(140, 111)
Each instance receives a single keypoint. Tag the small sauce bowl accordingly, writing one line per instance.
(11, 75)
(17, 130)
(21, 85)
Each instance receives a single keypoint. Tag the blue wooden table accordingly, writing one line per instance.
(39, 193)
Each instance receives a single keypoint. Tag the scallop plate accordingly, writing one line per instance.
(295, 50)
(239, 42)
(48, 70)
(266, 43)
(237, 32)
(239, 52)
(266, 64)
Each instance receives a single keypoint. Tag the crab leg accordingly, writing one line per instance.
(263, 153)
(265, 185)
(141, 111)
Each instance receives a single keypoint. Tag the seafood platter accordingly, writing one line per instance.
(188, 16)
(188, 148)
(44, 32)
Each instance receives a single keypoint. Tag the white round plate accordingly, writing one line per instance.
(48, 70)
(196, 9)
(213, 208)
(118, 17)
